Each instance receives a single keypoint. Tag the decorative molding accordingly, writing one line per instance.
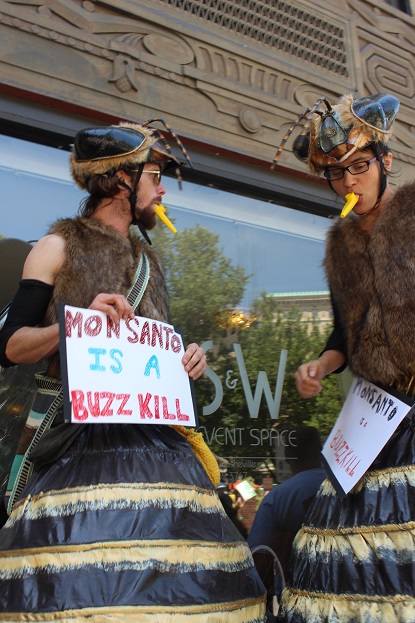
(282, 26)
(232, 73)
(249, 120)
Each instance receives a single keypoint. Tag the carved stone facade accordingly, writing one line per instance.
(230, 76)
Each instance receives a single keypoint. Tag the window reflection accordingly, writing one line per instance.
(246, 281)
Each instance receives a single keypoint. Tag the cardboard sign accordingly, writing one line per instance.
(369, 417)
(126, 373)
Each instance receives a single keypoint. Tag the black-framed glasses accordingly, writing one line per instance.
(355, 169)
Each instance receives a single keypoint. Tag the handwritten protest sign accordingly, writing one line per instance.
(126, 373)
(369, 417)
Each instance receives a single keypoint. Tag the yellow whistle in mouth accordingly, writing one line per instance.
(160, 211)
(351, 200)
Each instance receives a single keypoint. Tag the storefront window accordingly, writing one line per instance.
(246, 281)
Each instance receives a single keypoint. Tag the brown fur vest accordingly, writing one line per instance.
(372, 278)
(99, 259)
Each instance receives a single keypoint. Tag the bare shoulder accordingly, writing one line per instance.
(45, 259)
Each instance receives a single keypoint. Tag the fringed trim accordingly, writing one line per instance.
(362, 544)
(393, 527)
(202, 451)
(134, 496)
(376, 479)
(343, 608)
(166, 556)
(242, 611)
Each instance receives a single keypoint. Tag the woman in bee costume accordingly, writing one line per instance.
(354, 559)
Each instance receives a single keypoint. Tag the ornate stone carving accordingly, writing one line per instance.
(214, 65)
(299, 31)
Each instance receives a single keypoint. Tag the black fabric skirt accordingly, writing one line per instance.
(354, 560)
(125, 525)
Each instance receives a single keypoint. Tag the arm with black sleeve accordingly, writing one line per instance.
(337, 338)
(26, 312)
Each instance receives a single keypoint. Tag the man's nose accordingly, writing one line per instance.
(161, 189)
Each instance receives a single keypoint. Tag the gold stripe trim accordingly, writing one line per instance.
(117, 496)
(364, 546)
(333, 597)
(168, 556)
(243, 611)
(408, 526)
(316, 607)
(376, 479)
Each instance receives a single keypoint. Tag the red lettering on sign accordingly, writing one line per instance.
(166, 414)
(79, 410)
(145, 334)
(156, 335)
(93, 406)
(112, 327)
(156, 407)
(181, 416)
(124, 399)
(98, 404)
(167, 331)
(93, 326)
(109, 396)
(134, 339)
(143, 406)
(176, 344)
(72, 322)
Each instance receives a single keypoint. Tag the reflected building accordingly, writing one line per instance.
(314, 307)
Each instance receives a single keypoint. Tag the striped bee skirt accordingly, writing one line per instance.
(354, 560)
(125, 525)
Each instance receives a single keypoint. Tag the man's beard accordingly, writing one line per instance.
(147, 217)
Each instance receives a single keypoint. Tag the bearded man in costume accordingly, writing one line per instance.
(354, 559)
(113, 522)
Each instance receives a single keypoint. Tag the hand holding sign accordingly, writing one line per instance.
(129, 371)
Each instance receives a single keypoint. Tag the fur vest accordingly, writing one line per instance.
(99, 259)
(372, 279)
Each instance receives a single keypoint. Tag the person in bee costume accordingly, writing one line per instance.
(354, 558)
(112, 522)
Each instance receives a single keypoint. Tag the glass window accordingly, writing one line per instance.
(246, 281)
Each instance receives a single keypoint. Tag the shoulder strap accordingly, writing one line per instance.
(141, 278)
(3, 315)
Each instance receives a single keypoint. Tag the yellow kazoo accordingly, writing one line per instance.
(160, 211)
(351, 200)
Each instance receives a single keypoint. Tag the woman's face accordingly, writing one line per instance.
(365, 185)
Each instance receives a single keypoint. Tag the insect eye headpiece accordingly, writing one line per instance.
(339, 131)
(98, 150)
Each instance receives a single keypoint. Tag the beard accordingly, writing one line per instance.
(147, 217)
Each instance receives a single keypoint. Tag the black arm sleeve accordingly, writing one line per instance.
(337, 338)
(27, 309)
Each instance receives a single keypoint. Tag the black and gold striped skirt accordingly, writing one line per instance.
(125, 525)
(354, 560)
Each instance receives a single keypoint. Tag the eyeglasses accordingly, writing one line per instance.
(355, 169)
(155, 172)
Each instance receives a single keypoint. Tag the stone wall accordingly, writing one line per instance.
(227, 75)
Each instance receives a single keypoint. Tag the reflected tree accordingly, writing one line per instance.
(205, 292)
